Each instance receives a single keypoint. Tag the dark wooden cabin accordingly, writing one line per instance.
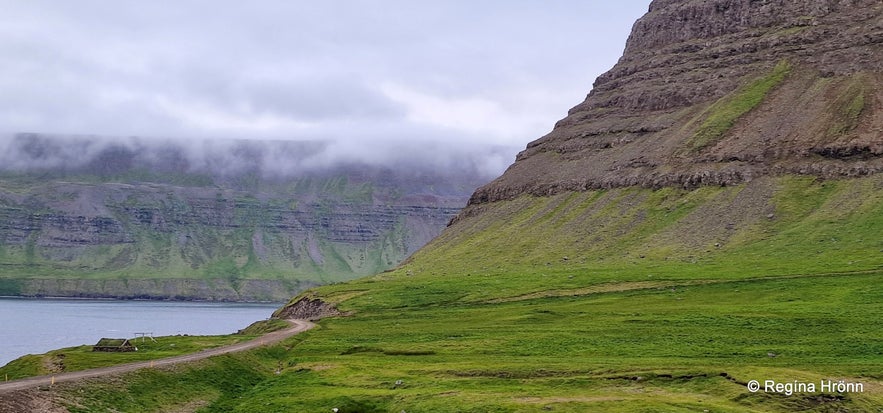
(114, 345)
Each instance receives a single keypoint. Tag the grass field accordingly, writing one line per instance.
(672, 348)
(690, 347)
(628, 300)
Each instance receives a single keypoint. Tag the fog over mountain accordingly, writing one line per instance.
(219, 219)
(31, 152)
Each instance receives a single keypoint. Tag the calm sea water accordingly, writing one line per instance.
(35, 326)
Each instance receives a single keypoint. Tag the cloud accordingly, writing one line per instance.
(221, 158)
(369, 77)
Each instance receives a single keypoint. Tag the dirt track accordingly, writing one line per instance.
(298, 326)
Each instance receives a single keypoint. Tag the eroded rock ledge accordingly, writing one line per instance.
(308, 309)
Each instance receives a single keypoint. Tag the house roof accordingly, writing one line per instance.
(112, 342)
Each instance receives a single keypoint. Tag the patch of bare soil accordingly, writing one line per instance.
(54, 364)
(41, 400)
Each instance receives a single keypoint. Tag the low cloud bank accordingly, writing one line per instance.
(32, 152)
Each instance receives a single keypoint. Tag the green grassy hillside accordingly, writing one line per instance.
(629, 300)
(771, 226)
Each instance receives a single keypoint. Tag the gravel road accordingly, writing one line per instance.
(297, 326)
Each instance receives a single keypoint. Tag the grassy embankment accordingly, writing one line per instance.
(624, 300)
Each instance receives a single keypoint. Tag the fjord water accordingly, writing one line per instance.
(34, 326)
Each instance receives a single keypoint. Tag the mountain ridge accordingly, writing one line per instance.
(715, 93)
(137, 219)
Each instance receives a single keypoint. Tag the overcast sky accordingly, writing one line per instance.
(367, 75)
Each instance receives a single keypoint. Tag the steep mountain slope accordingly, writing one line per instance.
(720, 93)
(142, 221)
(728, 130)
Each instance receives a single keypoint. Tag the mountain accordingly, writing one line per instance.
(720, 93)
(221, 220)
(724, 126)
(708, 219)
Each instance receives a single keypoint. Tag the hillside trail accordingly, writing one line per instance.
(297, 326)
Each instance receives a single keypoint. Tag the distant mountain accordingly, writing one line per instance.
(220, 220)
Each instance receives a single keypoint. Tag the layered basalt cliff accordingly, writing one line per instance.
(120, 226)
(233, 242)
(720, 92)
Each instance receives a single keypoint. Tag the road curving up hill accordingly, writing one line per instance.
(297, 326)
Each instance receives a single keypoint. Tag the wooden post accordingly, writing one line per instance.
(52, 382)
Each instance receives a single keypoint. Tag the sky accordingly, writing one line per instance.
(377, 79)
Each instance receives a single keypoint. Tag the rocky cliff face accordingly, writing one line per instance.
(120, 226)
(307, 308)
(721, 92)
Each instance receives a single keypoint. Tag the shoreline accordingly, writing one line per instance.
(159, 300)
(41, 325)
(155, 289)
